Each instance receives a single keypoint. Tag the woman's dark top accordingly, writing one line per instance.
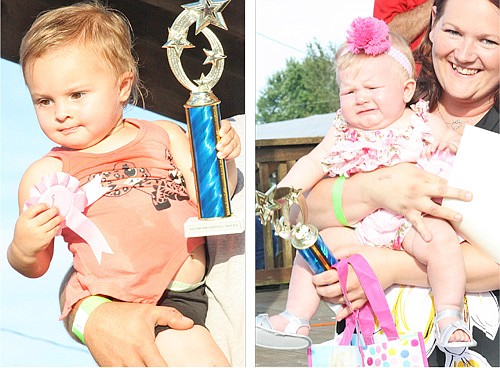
(490, 121)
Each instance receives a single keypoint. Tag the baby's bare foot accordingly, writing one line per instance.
(459, 335)
(456, 336)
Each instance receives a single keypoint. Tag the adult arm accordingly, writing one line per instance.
(408, 23)
(393, 267)
(403, 188)
(122, 334)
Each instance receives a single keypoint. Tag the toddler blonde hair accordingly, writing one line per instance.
(89, 24)
(345, 59)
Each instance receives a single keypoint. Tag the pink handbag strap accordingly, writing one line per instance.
(375, 294)
(377, 303)
(352, 320)
(362, 318)
(366, 323)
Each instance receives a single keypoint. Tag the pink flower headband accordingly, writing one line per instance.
(371, 35)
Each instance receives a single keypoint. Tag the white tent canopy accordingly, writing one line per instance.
(311, 126)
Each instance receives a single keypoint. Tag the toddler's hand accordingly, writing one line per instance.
(439, 145)
(35, 229)
(229, 145)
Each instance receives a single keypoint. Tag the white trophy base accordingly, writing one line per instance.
(195, 227)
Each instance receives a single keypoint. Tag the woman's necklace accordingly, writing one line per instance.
(456, 124)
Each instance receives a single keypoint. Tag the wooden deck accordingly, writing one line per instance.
(273, 159)
(272, 300)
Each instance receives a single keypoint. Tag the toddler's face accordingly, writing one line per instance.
(371, 96)
(77, 99)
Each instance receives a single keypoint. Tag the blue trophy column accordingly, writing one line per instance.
(210, 172)
(317, 255)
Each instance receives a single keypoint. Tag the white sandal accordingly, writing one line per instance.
(268, 337)
(442, 338)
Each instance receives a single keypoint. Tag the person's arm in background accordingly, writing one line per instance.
(409, 23)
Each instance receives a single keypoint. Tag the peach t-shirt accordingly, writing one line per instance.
(141, 217)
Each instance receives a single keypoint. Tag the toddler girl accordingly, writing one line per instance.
(79, 67)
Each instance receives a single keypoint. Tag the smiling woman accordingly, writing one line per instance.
(373, 129)
(460, 73)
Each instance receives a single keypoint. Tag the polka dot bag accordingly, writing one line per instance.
(384, 349)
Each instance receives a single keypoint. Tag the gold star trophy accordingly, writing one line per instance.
(203, 119)
(274, 207)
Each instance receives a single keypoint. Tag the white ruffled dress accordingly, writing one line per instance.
(367, 150)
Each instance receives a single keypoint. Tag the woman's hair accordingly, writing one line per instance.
(428, 87)
(345, 59)
(89, 24)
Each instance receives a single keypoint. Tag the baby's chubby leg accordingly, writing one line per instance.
(303, 300)
(445, 267)
(190, 348)
(290, 329)
(194, 347)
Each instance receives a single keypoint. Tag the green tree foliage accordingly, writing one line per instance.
(302, 89)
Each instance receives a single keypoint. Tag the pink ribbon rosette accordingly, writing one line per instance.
(63, 191)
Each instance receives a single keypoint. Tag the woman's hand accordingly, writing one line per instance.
(403, 188)
(390, 267)
(409, 191)
(328, 286)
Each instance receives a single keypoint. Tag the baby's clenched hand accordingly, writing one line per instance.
(440, 145)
